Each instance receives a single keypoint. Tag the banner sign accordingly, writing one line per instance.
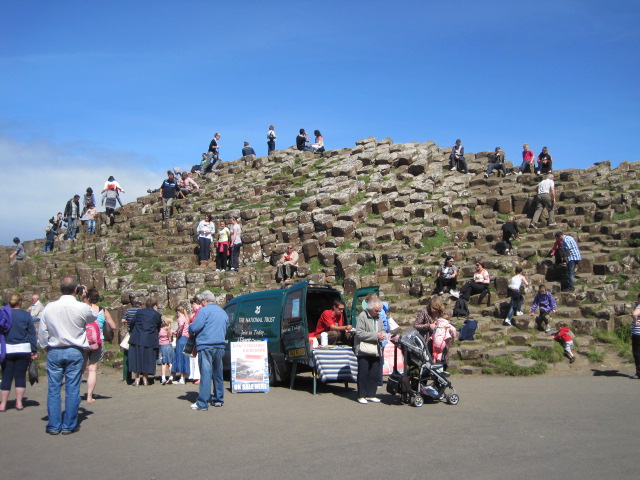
(249, 367)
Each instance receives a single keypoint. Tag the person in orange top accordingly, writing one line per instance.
(332, 322)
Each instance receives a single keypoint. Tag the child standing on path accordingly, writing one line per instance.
(516, 297)
(564, 336)
(166, 354)
(91, 218)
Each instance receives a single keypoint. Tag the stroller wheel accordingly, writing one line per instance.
(453, 399)
(418, 401)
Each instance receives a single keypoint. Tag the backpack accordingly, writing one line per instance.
(93, 336)
(460, 309)
(468, 330)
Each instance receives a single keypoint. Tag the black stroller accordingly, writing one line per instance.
(421, 379)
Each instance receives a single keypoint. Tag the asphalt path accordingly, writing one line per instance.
(584, 427)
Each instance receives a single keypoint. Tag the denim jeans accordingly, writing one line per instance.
(210, 363)
(498, 166)
(205, 248)
(64, 364)
(71, 228)
(271, 146)
(91, 226)
(517, 300)
(571, 272)
(167, 204)
(526, 166)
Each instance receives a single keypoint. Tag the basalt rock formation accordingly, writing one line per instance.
(380, 213)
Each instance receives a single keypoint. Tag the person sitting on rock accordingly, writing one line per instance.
(186, 184)
(247, 150)
(545, 162)
(509, 231)
(56, 222)
(478, 285)
(457, 160)
(301, 141)
(447, 277)
(527, 160)
(318, 145)
(287, 266)
(497, 162)
(332, 322)
(547, 304)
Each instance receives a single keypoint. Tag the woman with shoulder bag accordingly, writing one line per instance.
(369, 335)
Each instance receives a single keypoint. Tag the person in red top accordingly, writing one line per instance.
(332, 322)
(564, 336)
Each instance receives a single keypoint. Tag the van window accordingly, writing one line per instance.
(292, 305)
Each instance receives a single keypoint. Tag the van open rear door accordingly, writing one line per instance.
(356, 304)
(295, 332)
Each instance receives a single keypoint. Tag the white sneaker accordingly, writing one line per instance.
(548, 330)
(362, 400)
(469, 173)
(455, 294)
(508, 322)
(453, 169)
(518, 173)
(519, 314)
(440, 293)
(372, 399)
(180, 382)
(507, 174)
(486, 176)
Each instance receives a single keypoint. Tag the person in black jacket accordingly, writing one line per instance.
(72, 214)
(143, 342)
(457, 160)
(509, 231)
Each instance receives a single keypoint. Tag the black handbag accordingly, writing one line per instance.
(33, 372)
(190, 346)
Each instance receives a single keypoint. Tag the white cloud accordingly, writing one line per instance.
(41, 176)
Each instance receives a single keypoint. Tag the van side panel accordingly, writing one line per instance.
(257, 319)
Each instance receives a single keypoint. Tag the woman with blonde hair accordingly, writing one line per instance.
(181, 361)
(20, 348)
(166, 354)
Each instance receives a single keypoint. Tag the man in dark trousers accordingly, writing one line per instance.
(169, 190)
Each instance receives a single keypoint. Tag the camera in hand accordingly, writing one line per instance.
(80, 290)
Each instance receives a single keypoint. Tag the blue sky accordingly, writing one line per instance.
(90, 89)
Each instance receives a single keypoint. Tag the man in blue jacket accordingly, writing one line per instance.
(210, 328)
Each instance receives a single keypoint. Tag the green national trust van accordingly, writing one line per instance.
(285, 317)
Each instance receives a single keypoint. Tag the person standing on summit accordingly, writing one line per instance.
(214, 148)
(271, 139)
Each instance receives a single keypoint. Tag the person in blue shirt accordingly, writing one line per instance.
(210, 329)
(247, 150)
(573, 256)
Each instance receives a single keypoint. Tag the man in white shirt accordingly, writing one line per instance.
(62, 333)
(36, 307)
(545, 198)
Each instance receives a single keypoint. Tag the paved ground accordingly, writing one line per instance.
(583, 427)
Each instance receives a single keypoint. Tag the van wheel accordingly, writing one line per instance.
(272, 372)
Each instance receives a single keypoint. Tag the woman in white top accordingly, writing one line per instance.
(516, 297)
(206, 229)
(318, 145)
(271, 139)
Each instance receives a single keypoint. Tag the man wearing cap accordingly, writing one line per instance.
(210, 329)
(72, 214)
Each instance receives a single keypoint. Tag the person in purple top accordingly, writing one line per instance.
(547, 304)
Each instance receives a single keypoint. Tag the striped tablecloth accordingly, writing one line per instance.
(335, 364)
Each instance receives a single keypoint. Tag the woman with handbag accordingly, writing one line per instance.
(20, 349)
(181, 362)
(143, 342)
(369, 335)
